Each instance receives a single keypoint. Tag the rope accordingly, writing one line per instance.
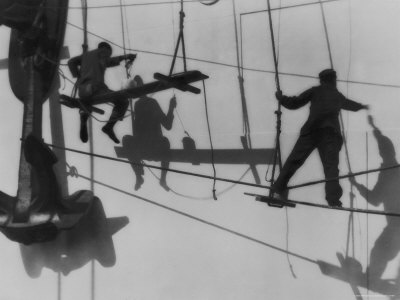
(326, 33)
(91, 144)
(209, 3)
(201, 220)
(271, 29)
(239, 56)
(181, 122)
(174, 2)
(343, 176)
(211, 143)
(286, 7)
(181, 41)
(123, 37)
(142, 4)
(278, 112)
(279, 153)
(366, 184)
(233, 65)
(227, 189)
(160, 168)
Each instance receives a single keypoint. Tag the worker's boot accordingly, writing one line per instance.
(109, 130)
(83, 133)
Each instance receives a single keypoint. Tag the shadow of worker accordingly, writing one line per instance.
(387, 192)
(148, 140)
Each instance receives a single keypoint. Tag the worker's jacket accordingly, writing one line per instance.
(326, 103)
(91, 66)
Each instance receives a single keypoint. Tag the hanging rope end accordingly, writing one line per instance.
(215, 194)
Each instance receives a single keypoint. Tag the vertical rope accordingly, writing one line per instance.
(241, 46)
(59, 285)
(245, 117)
(211, 143)
(277, 154)
(271, 29)
(123, 32)
(366, 184)
(180, 39)
(350, 229)
(326, 33)
(84, 17)
(90, 129)
(124, 23)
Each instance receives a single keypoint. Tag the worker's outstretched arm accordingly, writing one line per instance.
(353, 105)
(373, 196)
(116, 60)
(295, 102)
(169, 118)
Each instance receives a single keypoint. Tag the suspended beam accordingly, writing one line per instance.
(180, 81)
(133, 152)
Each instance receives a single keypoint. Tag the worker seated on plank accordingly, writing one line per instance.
(147, 132)
(89, 68)
(321, 131)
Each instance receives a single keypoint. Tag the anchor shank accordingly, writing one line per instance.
(32, 123)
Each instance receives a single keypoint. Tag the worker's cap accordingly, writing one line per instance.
(327, 74)
(104, 45)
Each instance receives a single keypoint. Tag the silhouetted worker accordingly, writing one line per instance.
(387, 192)
(90, 68)
(147, 133)
(321, 131)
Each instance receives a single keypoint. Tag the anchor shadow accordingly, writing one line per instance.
(90, 239)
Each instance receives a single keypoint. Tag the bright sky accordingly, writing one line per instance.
(167, 254)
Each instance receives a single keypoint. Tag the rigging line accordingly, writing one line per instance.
(366, 184)
(128, 67)
(280, 162)
(123, 34)
(326, 33)
(181, 122)
(271, 30)
(161, 168)
(343, 176)
(350, 228)
(91, 144)
(211, 142)
(134, 4)
(278, 112)
(286, 7)
(227, 189)
(203, 221)
(241, 47)
(245, 117)
(233, 65)
(352, 195)
(287, 243)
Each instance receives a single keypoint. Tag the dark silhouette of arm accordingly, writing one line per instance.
(353, 105)
(295, 102)
(74, 66)
(116, 60)
(168, 119)
(373, 196)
